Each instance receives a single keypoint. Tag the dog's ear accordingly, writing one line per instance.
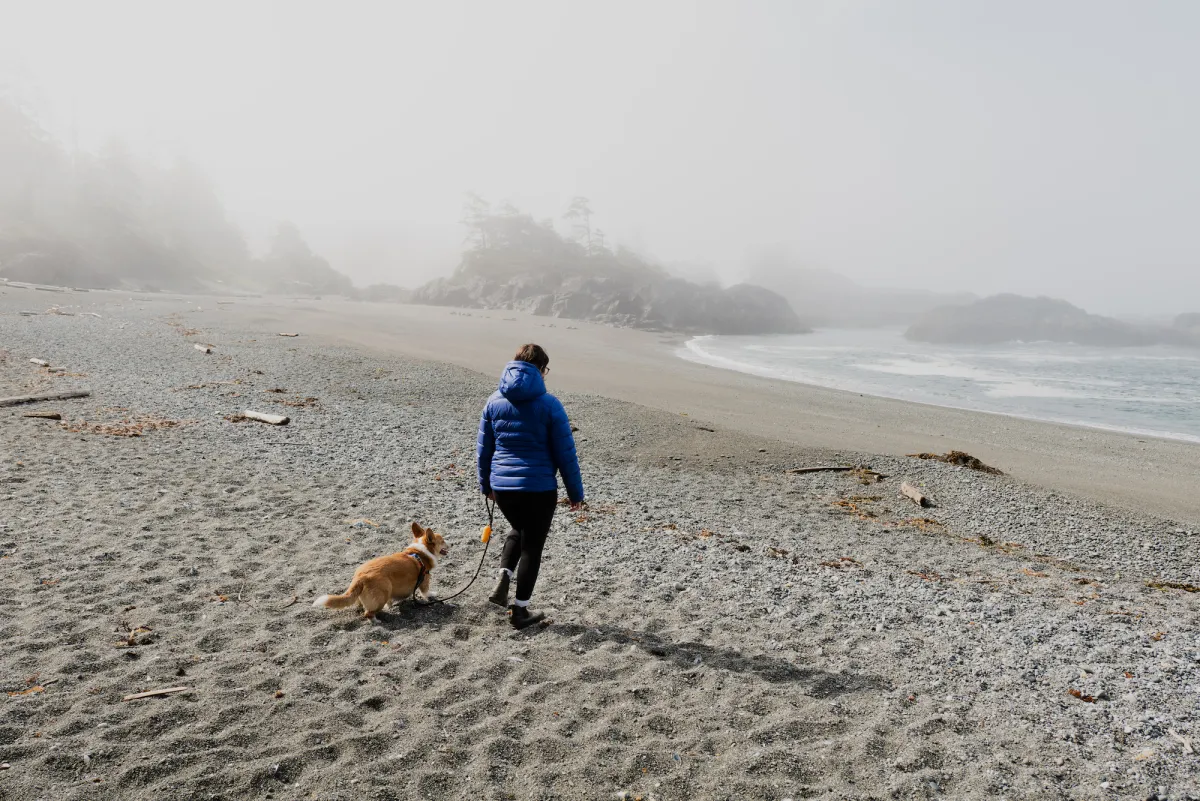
(418, 532)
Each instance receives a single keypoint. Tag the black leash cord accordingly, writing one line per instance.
(491, 510)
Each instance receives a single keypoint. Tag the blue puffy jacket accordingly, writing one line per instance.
(525, 437)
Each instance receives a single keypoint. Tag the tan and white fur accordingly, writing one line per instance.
(385, 579)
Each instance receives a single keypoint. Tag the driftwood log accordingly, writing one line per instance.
(40, 362)
(797, 470)
(152, 693)
(44, 415)
(914, 494)
(289, 335)
(270, 419)
(20, 399)
(203, 348)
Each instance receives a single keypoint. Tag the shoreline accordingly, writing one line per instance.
(688, 353)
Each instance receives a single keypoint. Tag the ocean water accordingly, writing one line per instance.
(1149, 391)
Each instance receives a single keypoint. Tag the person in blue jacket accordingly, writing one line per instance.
(524, 442)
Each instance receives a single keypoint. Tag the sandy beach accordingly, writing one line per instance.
(722, 629)
(1139, 473)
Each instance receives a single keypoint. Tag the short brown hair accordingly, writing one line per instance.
(534, 355)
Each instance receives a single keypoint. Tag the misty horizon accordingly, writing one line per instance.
(1036, 149)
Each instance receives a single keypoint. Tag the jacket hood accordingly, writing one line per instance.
(521, 381)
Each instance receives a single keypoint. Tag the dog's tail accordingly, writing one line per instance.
(348, 598)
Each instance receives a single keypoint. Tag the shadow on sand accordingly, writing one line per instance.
(689, 655)
(685, 655)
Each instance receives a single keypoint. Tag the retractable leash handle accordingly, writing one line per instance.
(486, 534)
(485, 537)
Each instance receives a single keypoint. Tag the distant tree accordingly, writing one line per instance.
(579, 212)
(598, 244)
(110, 192)
(109, 219)
(292, 266)
(115, 222)
(476, 210)
(287, 244)
(28, 157)
(194, 222)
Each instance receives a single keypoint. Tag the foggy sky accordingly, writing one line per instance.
(1035, 147)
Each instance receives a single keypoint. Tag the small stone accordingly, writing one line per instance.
(1060, 762)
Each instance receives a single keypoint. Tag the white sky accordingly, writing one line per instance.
(1038, 147)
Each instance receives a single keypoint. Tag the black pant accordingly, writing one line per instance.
(530, 515)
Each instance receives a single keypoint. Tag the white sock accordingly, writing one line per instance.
(520, 603)
(506, 572)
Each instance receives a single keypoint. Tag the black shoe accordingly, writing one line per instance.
(522, 617)
(499, 595)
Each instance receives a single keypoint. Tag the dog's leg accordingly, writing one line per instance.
(372, 601)
(426, 594)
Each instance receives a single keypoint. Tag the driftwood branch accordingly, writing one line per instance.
(50, 396)
(1184, 742)
(40, 362)
(914, 494)
(152, 693)
(289, 335)
(797, 470)
(44, 415)
(270, 419)
(203, 348)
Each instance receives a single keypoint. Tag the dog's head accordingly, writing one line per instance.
(433, 541)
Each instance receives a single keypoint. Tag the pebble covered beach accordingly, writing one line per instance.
(721, 628)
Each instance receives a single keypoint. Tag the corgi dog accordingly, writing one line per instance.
(385, 579)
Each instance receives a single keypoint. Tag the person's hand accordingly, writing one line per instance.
(491, 496)
(577, 506)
